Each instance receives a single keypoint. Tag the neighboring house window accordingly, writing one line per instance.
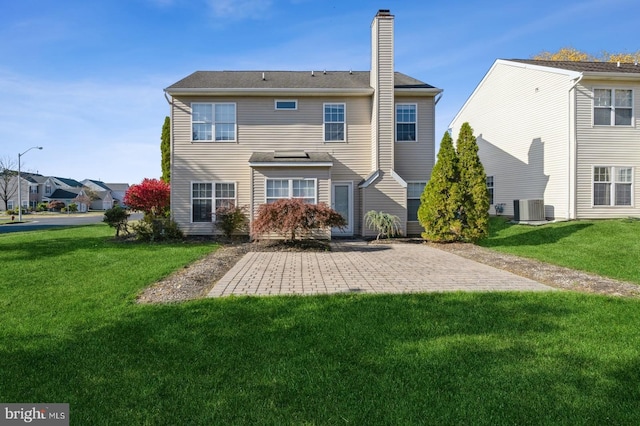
(201, 202)
(286, 104)
(47, 189)
(334, 122)
(612, 186)
(490, 188)
(205, 196)
(9, 204)
(304, 189)
(406, 122)
(612, 107)
(414, 192)
(213, 122)
(33, 189)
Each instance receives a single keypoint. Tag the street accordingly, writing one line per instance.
(38, 222)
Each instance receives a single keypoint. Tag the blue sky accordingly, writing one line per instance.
(85, 79)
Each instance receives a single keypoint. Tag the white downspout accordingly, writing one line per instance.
(572, 186)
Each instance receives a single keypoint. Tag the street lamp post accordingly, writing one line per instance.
(20, 183)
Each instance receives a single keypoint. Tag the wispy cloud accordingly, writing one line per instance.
(240, 9)
(87, 128)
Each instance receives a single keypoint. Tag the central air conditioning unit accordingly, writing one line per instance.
(528, 210)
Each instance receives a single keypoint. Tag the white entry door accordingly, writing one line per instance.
(342, 202)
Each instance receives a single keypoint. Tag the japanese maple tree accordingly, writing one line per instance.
(151, 197)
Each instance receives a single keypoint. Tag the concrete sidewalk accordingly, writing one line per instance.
(358, 267)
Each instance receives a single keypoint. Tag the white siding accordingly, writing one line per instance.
(605, 146)
(521, 119)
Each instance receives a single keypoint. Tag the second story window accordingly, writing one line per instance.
(612, 107)
(213, 122)
(334, 123)
(291, 104)
(406, 120)
(47, 189)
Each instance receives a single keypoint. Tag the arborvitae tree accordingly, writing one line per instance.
(474, 208)
(165, 149)
(440, 201)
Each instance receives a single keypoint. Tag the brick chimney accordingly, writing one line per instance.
(382, 82)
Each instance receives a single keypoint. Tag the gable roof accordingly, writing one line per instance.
(584, 67)
(97, 183)
(69, 182)
(63, 194)
(202, 81)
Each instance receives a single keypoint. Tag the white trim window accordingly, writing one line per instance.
(286, 104)
(612, 186)
(612, 107)
(490, 188)
(406, 122)
(213, 122)
(201, 202)
(225, 194)
(414, 192)
(9, 204)
(277, 189)
(334, 120)
(207, 195)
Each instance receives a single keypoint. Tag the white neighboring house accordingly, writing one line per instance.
(564, 132)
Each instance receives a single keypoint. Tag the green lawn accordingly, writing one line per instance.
(71, 332)
(605, 247)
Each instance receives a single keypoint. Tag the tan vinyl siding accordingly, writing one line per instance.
(385, 91)
(414, 160)
(260, 128)
(388, 196)
(605, 146)
(521, 121)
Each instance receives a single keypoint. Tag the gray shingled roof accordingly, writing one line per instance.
(63, 194)
(586, 67)
(288, 80)
(294, 157)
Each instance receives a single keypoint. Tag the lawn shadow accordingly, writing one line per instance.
(327, 359)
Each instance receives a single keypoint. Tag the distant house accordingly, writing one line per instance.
(563, 132)
(32, 187)
(37, 188)
(355, 140)
(118, 190)
(102, 198)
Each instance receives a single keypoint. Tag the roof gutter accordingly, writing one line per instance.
(400, 91)
(612, 75)
(244, 91)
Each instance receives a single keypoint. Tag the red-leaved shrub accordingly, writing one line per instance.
(151, 197)
(291, 217)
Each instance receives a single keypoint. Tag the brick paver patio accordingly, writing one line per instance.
(358, 267)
